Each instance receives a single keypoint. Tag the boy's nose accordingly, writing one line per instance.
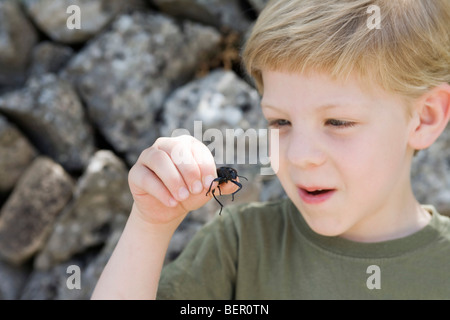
(305, 152)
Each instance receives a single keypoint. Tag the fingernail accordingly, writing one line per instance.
(208, 180)
(183, 193)
(197, 187)
(172, 202)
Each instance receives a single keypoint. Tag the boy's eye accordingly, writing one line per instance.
(278, 123)
(339, 123)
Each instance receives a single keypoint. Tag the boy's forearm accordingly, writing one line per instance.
(134, 268)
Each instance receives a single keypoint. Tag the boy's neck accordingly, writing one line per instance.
(389, 224)
(400, 215)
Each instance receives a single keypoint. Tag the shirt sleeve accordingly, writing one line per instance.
(206, 268)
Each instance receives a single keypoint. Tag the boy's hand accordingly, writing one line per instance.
(171, 178)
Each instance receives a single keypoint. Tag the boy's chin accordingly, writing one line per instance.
(326, 228)
(327, 233)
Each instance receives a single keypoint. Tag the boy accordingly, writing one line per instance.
(352, 105)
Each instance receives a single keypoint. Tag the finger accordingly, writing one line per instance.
(193, 159)
(143, 182)
(184, 160)
(161, 164)
(205, 162)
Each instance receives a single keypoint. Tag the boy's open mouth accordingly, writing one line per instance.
(317, 192)
(315, 195)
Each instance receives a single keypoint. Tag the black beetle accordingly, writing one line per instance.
(225, 174)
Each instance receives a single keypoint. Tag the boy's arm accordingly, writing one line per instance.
(134, 268)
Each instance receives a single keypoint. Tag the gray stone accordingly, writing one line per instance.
(17, 38)
(16, 154)
(52, 283)
(222, 14)
(49, 57)
(51, 115)
(93, 267)
(29, 214)
(13, 280)
(258, 5)
(45, 285)
(52, 17)
(101, 193)
(125, 74)
(219, 100)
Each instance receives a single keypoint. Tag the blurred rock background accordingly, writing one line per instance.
(77, 106)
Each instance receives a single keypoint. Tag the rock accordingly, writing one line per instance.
(430, 174)
(13, 280)
(29, 214)
(51, 284)
(93, 267)
(222, 14)
(49, 57)
(125, 74)
(258, 5)
(16, 155)
(45, 285)
(52, 17)
(101, 193)
(219, 100)
(17, 38)
(50, 113)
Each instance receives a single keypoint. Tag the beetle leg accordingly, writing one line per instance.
(209, 190)
(212, 182)
(221, 205)
(240, 187)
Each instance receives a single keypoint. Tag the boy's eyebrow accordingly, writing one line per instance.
(267, 106)
(319, 108)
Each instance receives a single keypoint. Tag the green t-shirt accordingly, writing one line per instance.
(267, 251)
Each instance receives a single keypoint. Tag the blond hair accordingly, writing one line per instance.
(408, 54)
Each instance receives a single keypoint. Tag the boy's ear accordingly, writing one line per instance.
(431, 115)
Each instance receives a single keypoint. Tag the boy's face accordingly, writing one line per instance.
(344, 158)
